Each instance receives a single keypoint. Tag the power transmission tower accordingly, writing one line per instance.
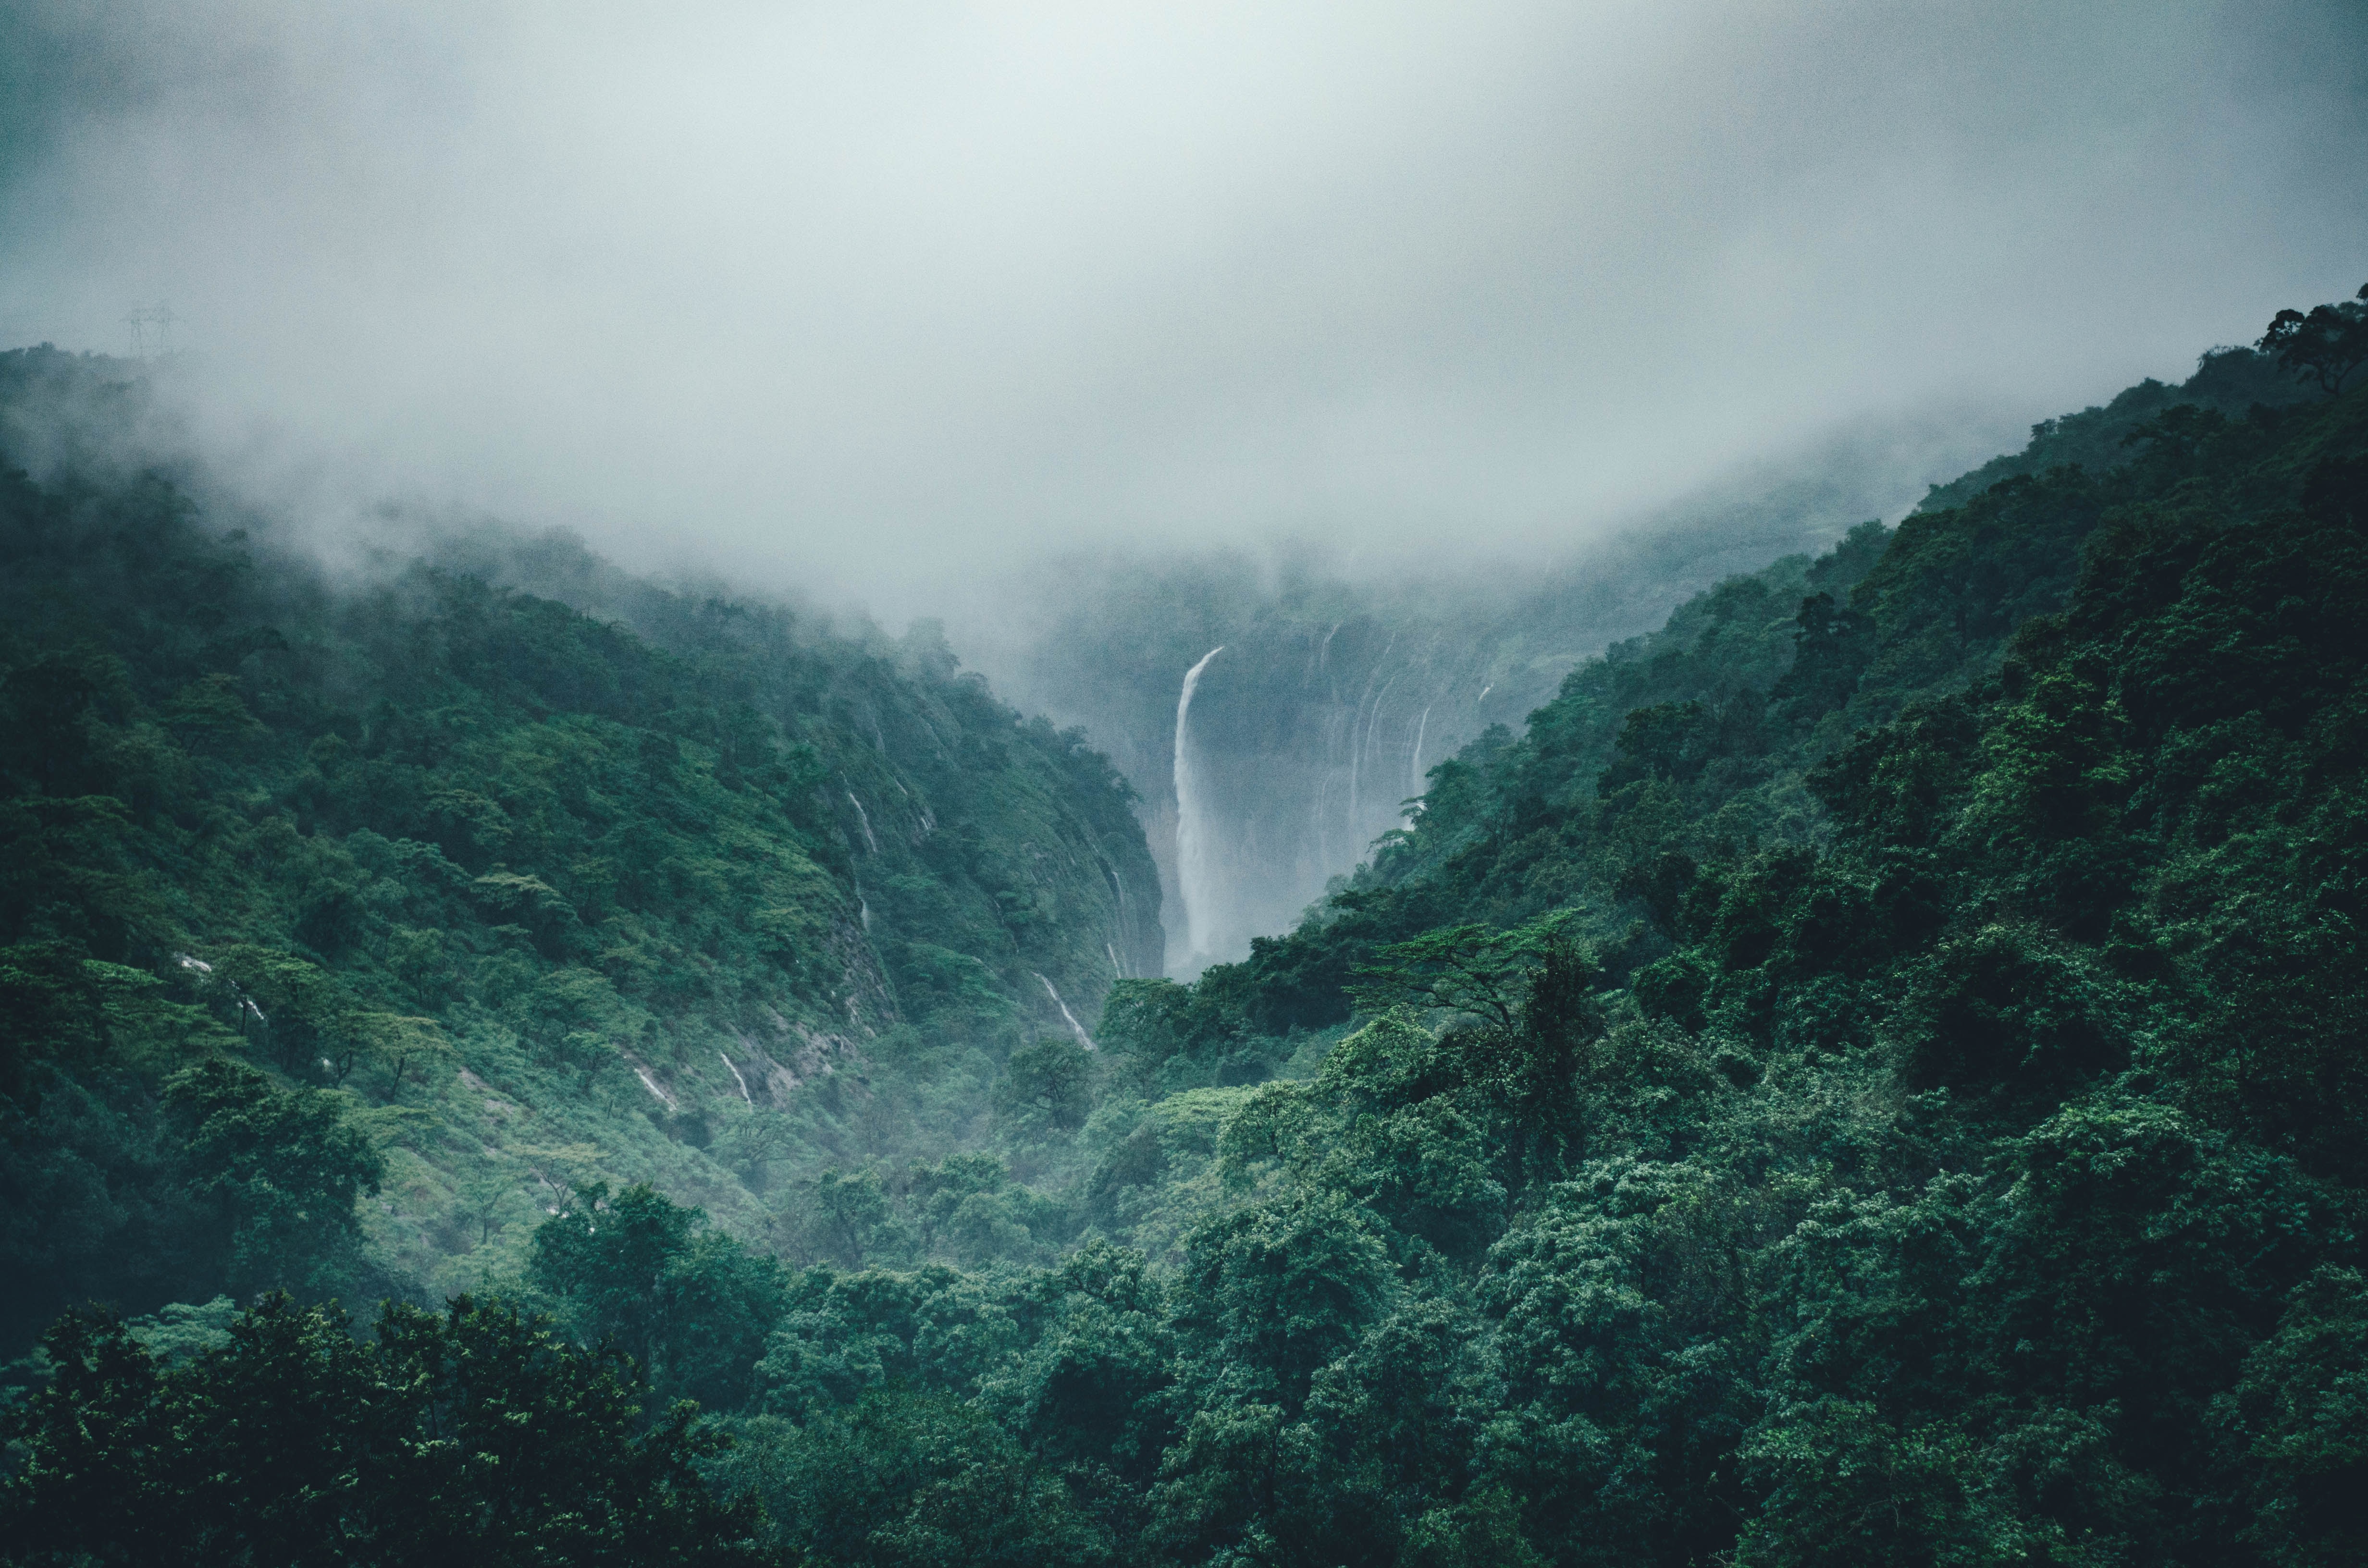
(158, 316)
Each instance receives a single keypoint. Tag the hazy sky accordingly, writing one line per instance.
(872, 295)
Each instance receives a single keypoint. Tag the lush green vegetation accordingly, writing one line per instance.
(1871, 1073)
(1333, 696)
(456, 898)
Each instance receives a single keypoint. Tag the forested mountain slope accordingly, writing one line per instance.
(1871, 1073)
(458, 896)
(1901, 1094)
(1336, 694)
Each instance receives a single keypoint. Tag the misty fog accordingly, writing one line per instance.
(869, 298)
(969, 312)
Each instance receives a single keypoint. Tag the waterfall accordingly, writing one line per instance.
(737, 1078)
(1357, 748)
(1118, 886)
(1192, 850)
(1414, 769)
(1083, 1038)
(1367, 740)
(1374, 729)
(651, 1086)
(865, 818)
(1125, 918)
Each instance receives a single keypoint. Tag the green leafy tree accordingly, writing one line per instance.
(2326, 345)
(2299, 1426)
(636, 1271)
(469, 1435)
(283, 1167)
(911, 1481)
(1462, 969)
(1048, 1084)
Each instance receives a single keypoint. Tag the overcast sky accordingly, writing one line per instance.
(871, 296)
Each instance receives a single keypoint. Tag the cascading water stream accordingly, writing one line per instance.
(1192, 834)
(865, 818)
(1071, 1019)
(1413, 768)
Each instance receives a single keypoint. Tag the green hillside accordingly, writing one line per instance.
(1870, 1073)
(1875, 1066)
(468, 898)
(1336, 692)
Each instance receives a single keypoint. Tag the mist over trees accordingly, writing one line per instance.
(1866, 1072)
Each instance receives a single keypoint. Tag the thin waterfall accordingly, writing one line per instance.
(1083, 1038)
(1192, 834)
(1323, 830)
(1374, 729)
(1357, 748)
(1118, 886)
(1369, 741)
(1414, 769)
(651, 1084)
(1358, 736)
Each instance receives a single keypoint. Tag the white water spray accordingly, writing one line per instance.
(1191, 849)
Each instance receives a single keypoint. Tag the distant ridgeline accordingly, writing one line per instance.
(1872, 1072)
(543, 897)
(1332, 699)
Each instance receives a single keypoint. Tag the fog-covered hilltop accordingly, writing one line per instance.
(478, 897)
(1336, 693)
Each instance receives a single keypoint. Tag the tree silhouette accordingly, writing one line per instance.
(2325, 345)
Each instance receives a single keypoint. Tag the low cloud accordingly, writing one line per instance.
(874, 300)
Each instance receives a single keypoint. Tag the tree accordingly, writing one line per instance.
(483, 1197)
(848, 1211)
(1276, 1290)
(1831, 646)
(1471, 970)
(1049, 1083)
(284, 1165)
(470, 1434)
(2301, 1416)
(691, 1305)
(298, 1010)
(910, 1480)
(398, 1041)
(2325, 345)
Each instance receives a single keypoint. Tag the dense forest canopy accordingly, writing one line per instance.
(451, 894)
(1869, 1073)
